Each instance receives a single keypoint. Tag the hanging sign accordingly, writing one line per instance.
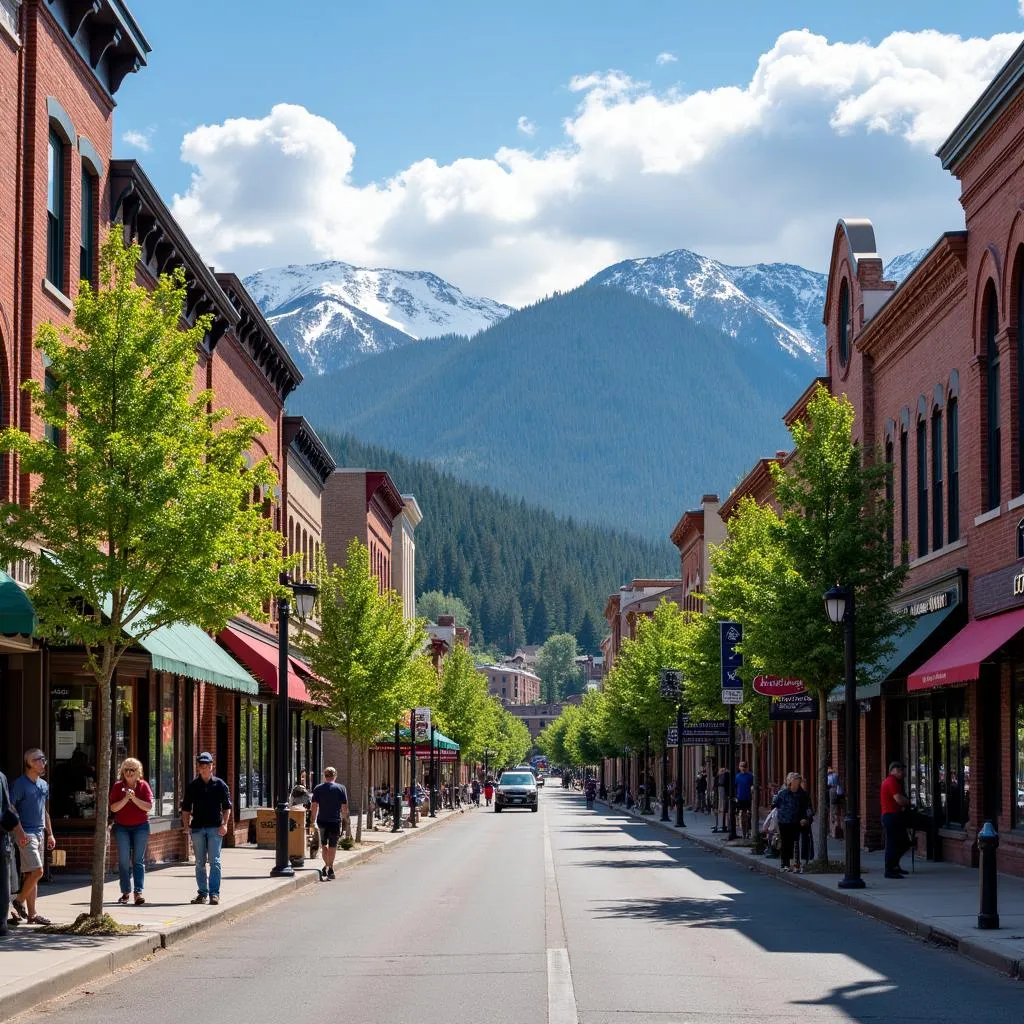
(421, 724)
(671, 680)
(773, 686)
(731, 635)
(797, 707)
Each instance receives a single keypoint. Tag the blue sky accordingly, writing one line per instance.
(378, 88)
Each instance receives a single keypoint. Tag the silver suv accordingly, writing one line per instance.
(516, 789)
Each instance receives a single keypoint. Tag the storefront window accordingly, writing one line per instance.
(253, 777)
(954, 757)
(72, 751)
(1018, 751)
(124, 708)
(162, 745)
(918, 754)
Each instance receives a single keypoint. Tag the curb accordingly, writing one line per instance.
(64, 980)
(965, 947)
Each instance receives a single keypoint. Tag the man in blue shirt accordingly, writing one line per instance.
(29, 795)
(329, 810)
(744, 790)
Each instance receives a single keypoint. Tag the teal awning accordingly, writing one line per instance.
(185, 650)
(441, 742)
(17, 616)
(904, 647)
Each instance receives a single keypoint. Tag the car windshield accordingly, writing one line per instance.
(516, 779)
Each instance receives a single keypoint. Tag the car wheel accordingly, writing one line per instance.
(497, 809)
(534, 809)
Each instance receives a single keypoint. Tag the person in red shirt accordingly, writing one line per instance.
(893, 802)
(130, 801)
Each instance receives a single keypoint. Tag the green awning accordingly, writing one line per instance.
(904, 648)
(185, 650)
(17, 616)
(441, 742)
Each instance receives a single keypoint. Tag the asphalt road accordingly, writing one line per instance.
(566, 915)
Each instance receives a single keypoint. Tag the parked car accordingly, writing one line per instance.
(516, 789)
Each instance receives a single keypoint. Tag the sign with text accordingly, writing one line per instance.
(713, 731)
(773, 686)
(421, 724)
(731, 635)
(671, 680)
(796, 707)
(671, 736)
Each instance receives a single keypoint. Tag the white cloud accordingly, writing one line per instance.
(671, 58)
(140, 140)
(757, 170)
(527, 127)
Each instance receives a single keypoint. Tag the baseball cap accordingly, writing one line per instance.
(205, 758)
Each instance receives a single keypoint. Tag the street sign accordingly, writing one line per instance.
(671, 683)
(421, 724)
(671, 736)
(773, 686)
(731, 636)
(713, 731)
(800, 707)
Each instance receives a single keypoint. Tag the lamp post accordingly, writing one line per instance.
(396, 792)
(305, 598)
(839, 604)
(432, 776)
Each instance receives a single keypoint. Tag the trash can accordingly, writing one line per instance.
(297, 836)
(266, 828)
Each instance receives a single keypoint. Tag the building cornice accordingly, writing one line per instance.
(753, 482)
(798, 410)
(691, 521)
(301, 439)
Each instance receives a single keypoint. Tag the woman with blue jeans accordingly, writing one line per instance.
(131, 800)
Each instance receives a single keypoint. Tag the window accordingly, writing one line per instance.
(1020, 372)
(162, 746)
(72, 767)
(55, 213)
(917, 753)
(253, 775)
(844, 324)
(993, 445)
(937, 479)
(87, 249)
(52, 433)
(890, 528)
(904, 497)
(953, 469)
(1017, 767)
(922, 487)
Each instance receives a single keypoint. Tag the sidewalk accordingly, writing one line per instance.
(36, 966)
(938, 902)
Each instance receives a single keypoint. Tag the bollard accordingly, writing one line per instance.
(988, 843)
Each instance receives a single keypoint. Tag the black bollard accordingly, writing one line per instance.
(988, 843)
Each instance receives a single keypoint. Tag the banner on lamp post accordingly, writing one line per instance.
(421, 724)
(731, 636)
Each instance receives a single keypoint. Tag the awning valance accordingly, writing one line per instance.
(261, 657)
(904, 649)
(186, 650)
(17, 615)
(441, 742)
(960, 660)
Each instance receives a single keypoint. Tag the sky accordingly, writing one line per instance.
(518, 148)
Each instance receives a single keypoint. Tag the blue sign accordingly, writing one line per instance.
(714, 731)
(731, 634)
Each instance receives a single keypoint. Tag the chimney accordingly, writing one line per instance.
(781, 456)
(446, 620)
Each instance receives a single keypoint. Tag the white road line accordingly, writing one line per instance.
(561, 994)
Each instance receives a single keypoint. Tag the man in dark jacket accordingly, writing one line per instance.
(9, 822)
(205, 813)
(792, 805)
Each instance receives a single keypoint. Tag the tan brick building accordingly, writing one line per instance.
(512, 684)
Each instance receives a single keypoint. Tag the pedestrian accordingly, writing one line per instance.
(131, 800)
(702, 791)
(744, 798)
(329, 811)
(893, 803)
(722, 787)
(489, 791)
(791, 804)
(806, 852)
(474, 788)
(29, 796)
(205, 813)
(9, 822)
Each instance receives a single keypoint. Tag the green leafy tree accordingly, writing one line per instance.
(463, 704)
(367, 660)
(556, 666)
(552, 739)
(586, 737)
(831, 529)
(143, 505)
(435, 603)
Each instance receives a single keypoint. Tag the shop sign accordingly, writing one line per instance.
(999, 591)
(927, 605)
(796, 707)
(773, 686)
(714, 731)
(731, 636)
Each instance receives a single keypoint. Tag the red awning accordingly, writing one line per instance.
(960, 660)
(260, 658)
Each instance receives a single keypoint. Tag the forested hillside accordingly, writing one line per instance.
(596, 404)
(524, 572)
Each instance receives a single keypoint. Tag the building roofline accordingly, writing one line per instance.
(759, 474)
(691, 517)
(1004, 88)
(797, 410)
(300, 437)
(412, 509)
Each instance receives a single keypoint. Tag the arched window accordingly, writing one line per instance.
(922, 486)
(904, 494)
(1020, 372)
(890, 527)
(937, 473)
(953, 467)
(844, 323)
(993, 441)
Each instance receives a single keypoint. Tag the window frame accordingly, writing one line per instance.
(904, 494)
(56, 219)
(922, 486)
(88, 228)
(937, 479)
(844, 324)
(953, 469)
(993, 435)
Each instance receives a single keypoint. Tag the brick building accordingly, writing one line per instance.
(536, 717)
(403, 548)
(697, 530)
(512, 684)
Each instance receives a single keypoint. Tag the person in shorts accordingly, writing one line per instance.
(29, 796)
(329, 811)
(744, 796)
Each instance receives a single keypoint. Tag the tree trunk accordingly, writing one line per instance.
(363, 769)
(755, 806)
(822, 840)
(100, 838)
(350, 780)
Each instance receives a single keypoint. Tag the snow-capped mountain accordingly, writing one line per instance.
(768, 304)
(899, 267)
(331, 314)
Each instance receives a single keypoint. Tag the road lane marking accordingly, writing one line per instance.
(561, 994)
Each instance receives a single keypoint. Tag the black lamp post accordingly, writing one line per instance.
(839, 604)
(305, 598)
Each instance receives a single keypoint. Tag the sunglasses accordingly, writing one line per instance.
(39, 760)
(131, 771)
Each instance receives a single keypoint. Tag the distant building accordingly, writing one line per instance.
(536, 717)
(693, 535)
(512, 684)
(443, 635)
(403, 553)
(633, 601)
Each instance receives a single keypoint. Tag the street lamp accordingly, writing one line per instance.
(839, 605)
(305, 598)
